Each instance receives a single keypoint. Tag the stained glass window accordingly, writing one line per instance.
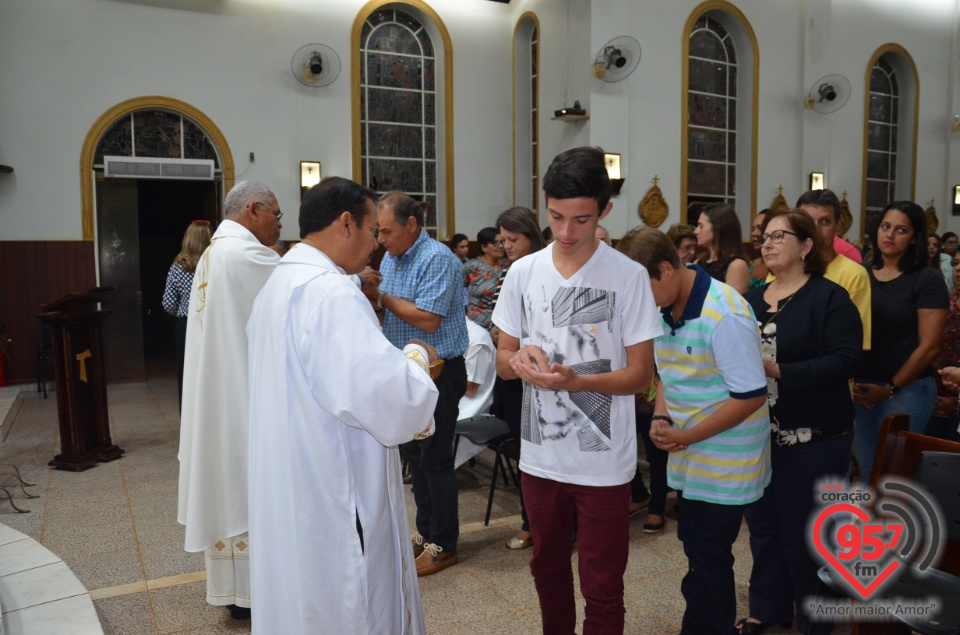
(882, 138)
(156, 133)
(398, 126)
(711, 115)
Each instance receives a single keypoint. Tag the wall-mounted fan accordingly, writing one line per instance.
(315, 65)
(828, 94)
(617, 59)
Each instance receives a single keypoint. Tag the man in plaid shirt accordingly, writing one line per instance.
(421, 298)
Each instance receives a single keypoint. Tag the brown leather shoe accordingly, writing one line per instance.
(418, 543)
(433, 559)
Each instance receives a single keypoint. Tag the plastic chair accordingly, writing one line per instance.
(492, 432)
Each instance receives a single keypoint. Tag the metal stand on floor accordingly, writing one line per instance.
(23, 486)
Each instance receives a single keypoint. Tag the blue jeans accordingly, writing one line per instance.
(916, 400)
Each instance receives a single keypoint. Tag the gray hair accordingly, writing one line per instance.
(242, 193)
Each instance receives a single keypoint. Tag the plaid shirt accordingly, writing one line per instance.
(428, 274)
(176, 297)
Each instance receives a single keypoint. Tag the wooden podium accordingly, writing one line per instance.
(77, 326)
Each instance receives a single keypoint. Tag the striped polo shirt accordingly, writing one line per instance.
(709, 355)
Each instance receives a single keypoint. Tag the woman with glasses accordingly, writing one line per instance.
(909, 301)
(718, 233)
(811, 340)
(480, 276)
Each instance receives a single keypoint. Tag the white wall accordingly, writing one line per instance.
(640, 116)
(65, 62)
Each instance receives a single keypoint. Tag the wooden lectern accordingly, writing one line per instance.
(77, 326)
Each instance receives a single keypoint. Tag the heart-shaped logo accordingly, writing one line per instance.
(850, 542)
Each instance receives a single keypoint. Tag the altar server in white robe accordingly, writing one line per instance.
(330, 399)
(213, 420)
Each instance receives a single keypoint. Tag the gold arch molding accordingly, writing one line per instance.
(738, 15)
(428, 11)
(904, 56)
(108, 118)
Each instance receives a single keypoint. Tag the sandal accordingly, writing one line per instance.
(517, 543)
(653, 528)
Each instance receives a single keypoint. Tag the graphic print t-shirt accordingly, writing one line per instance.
(585, 438)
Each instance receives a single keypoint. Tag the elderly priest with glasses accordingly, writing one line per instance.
(330, 400)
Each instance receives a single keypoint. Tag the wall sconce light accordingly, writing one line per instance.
(309, 176)
(816, 181)
(956, 200)
(956, 123)
(612, 161)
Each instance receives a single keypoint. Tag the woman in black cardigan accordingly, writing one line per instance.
(811, 343)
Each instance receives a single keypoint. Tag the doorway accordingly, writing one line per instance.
(140, 227)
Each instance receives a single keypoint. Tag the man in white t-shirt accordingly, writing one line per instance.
(577, 323)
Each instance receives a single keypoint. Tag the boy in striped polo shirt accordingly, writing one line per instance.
(711, 415)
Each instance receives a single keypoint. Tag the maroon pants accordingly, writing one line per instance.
(602, 519)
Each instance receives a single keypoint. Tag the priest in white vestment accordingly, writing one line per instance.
(213, 419)
(330, 399)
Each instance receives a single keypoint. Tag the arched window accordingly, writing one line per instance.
(155, 118)
(890, 144)
(401, 107)
(720, 88)
(155, 133)
(526, 89)
(712, 115)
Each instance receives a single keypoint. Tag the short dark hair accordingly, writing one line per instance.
(457, 239)
(578, 172)
(649, 247)
(329, 198)
(486, 236)
(823, 198)
(403, 207)
(726, 230)
(547, 233)
(803, 226)
(947, 235)
(914, 259)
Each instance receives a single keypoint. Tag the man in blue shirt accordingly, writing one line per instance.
(421, 296)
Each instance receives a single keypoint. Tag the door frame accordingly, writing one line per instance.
(108, 118)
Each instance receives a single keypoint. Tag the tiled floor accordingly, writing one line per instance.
(115, 527)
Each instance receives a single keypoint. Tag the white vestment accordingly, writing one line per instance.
(330, 399)
(213, 419)
(481, 363)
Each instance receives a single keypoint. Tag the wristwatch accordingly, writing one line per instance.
(380, 295)
(894, 389)
(662, 418)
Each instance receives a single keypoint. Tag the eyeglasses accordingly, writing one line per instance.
(775, 237)
(275, 211)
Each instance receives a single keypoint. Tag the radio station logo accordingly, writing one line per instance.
(870, 540)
